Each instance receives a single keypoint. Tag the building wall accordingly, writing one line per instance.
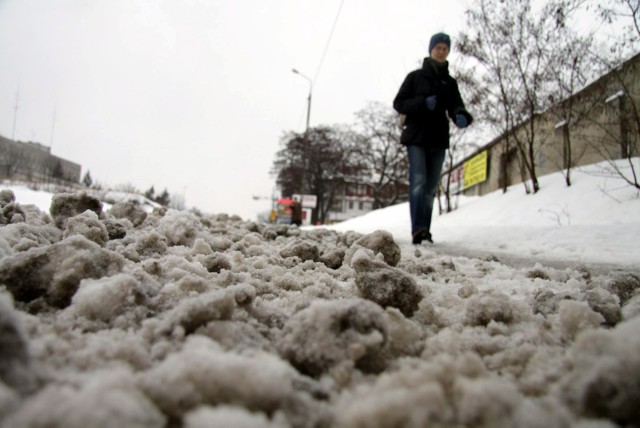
(345, 207)
(607, 118)
(357, 198)
(34, 162)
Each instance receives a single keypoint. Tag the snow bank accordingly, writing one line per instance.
(167, 318)
(596, 220)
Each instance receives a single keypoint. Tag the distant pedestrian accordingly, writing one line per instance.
(427, 96)
(296, 212)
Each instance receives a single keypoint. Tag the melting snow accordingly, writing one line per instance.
(122, 316)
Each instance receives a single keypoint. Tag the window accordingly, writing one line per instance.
(361, 206)
(336, 206)
(350, 205)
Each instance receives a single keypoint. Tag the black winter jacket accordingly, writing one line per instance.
(423, 127)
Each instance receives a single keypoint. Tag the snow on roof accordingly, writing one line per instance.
(614, 96)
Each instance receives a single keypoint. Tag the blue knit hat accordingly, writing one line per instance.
(439, 38)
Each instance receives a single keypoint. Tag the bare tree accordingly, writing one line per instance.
(322, 159)
(483, 46)
(445, 187)
(626, 12)
(513, 45)
(463, 141)
(619, 122)
(383, 154)
(569, 69)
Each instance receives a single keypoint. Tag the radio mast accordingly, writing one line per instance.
(15, 114)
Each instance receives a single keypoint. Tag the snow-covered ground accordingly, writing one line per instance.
(120, 316)
(41, 198)
(596, 220)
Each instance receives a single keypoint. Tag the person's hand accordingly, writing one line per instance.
(431, 102)
(461, 120)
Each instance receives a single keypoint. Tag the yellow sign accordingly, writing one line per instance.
(475, 170)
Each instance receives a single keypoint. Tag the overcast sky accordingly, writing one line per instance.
(194, 95)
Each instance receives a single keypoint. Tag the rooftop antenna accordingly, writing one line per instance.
(15, 115)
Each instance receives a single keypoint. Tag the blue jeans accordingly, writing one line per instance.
(425, 166)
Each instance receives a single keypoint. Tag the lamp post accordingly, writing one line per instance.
(306, 132)
(309, 98)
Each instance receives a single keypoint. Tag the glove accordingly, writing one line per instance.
(431, 102)
(461, 121)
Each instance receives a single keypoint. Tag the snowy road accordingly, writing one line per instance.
(201, 321)
(520, 261)
(204, 320)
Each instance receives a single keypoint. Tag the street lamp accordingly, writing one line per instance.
(309, 98)
(305, 181)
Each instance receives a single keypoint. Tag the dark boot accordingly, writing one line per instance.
(421, 235)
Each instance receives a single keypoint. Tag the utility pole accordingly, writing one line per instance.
(306, 132)
(15, 115)
(309, 97)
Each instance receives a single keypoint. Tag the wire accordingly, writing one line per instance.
(326, 48)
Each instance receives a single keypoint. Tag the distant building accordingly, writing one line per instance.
(604, 127)
(357, 198)
(30, 161)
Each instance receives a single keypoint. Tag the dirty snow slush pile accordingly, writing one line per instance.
(127, 318)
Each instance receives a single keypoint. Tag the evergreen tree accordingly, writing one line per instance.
(87, 181)
(164, 198)
(150, 194)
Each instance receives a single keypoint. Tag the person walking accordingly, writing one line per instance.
(296, 211)
(427, 96)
